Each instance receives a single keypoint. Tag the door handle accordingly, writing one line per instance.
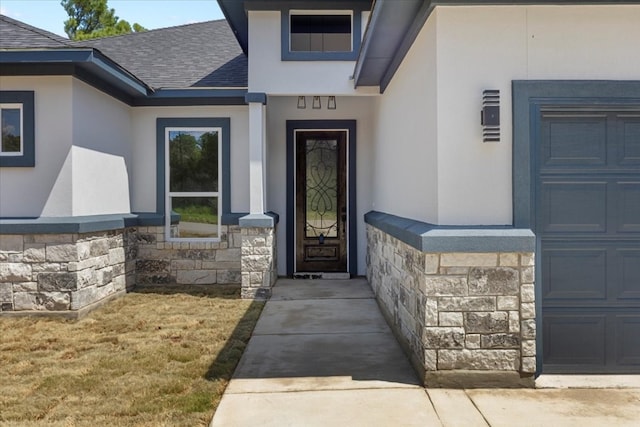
(344, 220)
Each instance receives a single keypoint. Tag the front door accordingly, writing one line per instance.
(321, 201)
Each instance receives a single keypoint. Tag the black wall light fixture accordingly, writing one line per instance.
(490, 116)
(331, 103)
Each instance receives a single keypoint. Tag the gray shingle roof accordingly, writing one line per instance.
(204, 54)
(18, 35)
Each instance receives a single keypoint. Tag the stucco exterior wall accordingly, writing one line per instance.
(269, 74)
(143, 191)
(43, 190)
(431, 108)
(406, 167)
(101, 152)
(281, 109)
(488, 47)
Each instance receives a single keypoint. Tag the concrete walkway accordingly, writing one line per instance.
(322, 355)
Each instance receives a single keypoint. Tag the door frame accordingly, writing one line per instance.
(306, 125)
(528, 97)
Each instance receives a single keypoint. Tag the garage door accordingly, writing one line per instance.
(588, 222)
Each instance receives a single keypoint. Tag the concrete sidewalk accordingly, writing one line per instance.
(322, 355)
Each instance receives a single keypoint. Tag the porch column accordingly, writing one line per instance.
(258, 263)
(256, 103)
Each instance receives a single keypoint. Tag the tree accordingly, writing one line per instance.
(90, 19)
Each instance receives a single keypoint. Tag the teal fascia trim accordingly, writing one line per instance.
(436, 238)
(122, 76)
(260, 97)
(87, 64)
(192, 96)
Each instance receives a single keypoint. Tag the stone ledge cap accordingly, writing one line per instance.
(257, 220)
(438, 238)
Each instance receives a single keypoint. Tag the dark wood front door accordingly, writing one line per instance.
(321, 201)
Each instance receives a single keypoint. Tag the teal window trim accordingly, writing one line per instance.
(223, 123)
(356, 34)
(28, 156)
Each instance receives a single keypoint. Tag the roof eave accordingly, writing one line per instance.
(378, 71)
(237, 19)
(92, 62)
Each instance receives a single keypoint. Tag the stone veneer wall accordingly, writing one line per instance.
(189, 263)
(64, 272)
(70, 273)
(465, 318)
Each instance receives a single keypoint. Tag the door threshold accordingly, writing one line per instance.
(588, 381)
(324, 276)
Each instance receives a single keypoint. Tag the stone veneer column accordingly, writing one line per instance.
(258, 261)
(465, 318)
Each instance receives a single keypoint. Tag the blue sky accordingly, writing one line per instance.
(49, 15)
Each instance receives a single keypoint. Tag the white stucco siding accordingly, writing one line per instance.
(43, 190)
(101, 152)
(143, 189)
(406, 128)
(268, 73)
(488, 47)
(585, 42)
(281, 109)
(478, 48)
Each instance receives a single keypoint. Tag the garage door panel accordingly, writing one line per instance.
(588, 221)
(627, 274)
(570, 139)
(629, 137)
(628, 339)
(574, 339)
(574, 274)
(628, 209)
(574, 207)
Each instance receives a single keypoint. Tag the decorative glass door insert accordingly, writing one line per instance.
(321, 213)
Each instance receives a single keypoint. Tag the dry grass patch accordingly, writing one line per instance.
(160, 356)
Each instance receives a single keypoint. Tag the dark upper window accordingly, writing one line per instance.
(320, 33)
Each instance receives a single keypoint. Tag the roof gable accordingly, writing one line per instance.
(16, 35)
(198, 55)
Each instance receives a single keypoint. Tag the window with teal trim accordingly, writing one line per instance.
(17, 143)
(193, 176)
(321, 35)
(193, 158)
